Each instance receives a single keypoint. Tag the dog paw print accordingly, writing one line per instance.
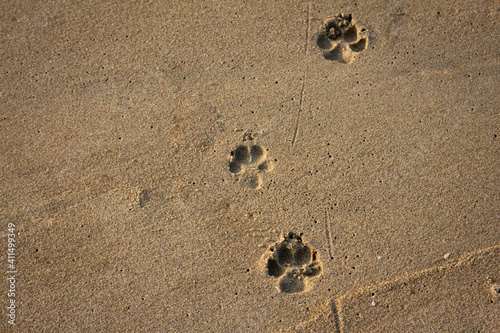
(341, 40)
(250, 162)
(293, 262)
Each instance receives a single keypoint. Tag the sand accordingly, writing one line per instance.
(250, 167)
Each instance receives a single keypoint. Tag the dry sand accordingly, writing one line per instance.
(228, 167)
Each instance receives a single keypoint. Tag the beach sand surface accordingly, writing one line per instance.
(228, 166)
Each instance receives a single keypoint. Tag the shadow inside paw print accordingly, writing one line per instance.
(251, 162)
(293, 262)
(341, 40)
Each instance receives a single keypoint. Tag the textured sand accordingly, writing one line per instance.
(222, 167)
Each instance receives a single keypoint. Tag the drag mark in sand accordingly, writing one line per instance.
(336, 318)
(328, 237)
(304, 76)
(298, 112)
(308, 26)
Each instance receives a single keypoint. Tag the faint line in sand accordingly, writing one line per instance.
(336, 318)
(465, 260)
(327, 231)
(298, 112)
(308, 26)
(304, 76)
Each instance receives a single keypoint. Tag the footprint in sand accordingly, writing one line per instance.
(293, 262)
(341, 39)
(250, 162)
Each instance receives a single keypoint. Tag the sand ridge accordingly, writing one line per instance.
(461, 280)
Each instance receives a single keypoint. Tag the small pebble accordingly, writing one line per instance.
(379, 257)
(447, 255)
(373, 303)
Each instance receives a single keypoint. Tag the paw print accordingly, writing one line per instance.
(341, 40)
(293, 262)
(251, 163)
